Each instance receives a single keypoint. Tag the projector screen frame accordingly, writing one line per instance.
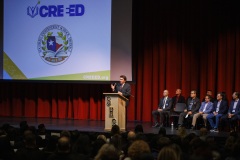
(121, 66)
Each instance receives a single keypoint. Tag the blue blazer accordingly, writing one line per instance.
(208, 108)
(223, 108)
(237, 110)
(168, 104)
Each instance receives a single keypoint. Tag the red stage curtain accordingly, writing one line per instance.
(176, 44)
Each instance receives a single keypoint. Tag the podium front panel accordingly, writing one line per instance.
(115, 112)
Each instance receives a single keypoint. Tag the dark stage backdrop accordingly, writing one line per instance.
(176, 44)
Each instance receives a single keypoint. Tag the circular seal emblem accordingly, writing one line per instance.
(55, 45)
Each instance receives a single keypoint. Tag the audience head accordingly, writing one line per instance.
(141, 136)
(131, 136)
(176, 140)
(177, 149)
(138, 148)
(163, 141)
(162, 132)
(2, 133)
(33, 129)
(116, 141)
(138, 129)
(103, 137)
(182, 132)
(30, 140)
(82, 145)
(27, 132)
(107, 152)
(65, 133)
(115, 130)
(229, 143)
(41, 129)
(63, 145)
(6, 127)
(200, 150)
(23, 126)
(168, 153)
(203, 132)
(74, 135)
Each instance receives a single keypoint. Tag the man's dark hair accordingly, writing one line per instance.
(124, 77)
(209, 97)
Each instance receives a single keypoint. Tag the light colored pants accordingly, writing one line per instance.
(196, 115)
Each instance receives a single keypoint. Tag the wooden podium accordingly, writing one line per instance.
(115, 111)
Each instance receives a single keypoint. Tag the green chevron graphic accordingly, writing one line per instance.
(10, 67)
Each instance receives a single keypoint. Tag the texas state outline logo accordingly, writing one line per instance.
(55, 45)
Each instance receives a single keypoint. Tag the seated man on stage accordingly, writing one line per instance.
(205, 109)
(220, 108)
(212, 99)
(163, 110)
(178, 98)
(233, 114)
(193, 105)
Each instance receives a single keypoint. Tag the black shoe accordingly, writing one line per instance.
(156, 125)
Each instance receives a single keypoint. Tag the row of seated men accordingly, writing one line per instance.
(210, 109)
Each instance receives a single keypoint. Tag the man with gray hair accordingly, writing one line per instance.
(163, 110)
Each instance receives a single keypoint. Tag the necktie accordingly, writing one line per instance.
(120, 88)
(164, 102)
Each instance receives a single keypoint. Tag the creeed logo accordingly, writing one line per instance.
(55, 45)
(60, 10)
(33, 11)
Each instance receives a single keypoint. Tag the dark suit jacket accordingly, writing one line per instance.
(126, 90)
(181, 99)
(195, 106)
(237, 110)
(222, 108)
(168, 104)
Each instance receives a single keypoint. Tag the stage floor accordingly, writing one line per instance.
(90, 125)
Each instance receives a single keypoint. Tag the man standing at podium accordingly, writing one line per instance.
(122, 88)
